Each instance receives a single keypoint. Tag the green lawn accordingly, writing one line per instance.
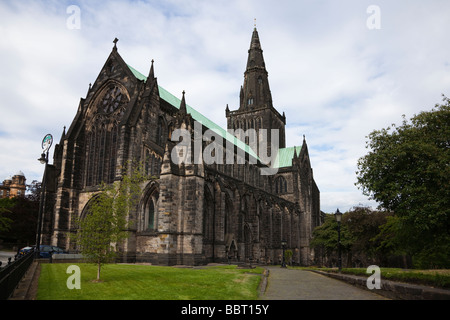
(140, 282)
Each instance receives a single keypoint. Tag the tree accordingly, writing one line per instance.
(105, 224)
(362, 239)
(407, 172)
(5, 222)
(364, 225)
(288, 256)
(18, 220)
(325, 237)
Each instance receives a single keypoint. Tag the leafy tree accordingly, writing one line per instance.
(288, 256)
(360, 229)
(34, 191)
(407, 172)
(18, 220)
(325, 237)
(106, 223)
(5, 222)
(364, 225)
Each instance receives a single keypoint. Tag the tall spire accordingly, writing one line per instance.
(255, 53)
(151, 74)
(256, 91)
(256, 109)
(183, 109)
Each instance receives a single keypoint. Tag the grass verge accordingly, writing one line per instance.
(140, 282)
(434, 278)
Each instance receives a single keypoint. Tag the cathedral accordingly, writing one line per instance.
(191, 212)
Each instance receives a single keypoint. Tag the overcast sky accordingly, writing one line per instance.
(338, 69)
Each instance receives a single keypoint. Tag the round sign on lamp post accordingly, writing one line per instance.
(46, 144)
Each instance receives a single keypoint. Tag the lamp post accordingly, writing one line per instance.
(283, 245)
(338, 216)
(46, 144)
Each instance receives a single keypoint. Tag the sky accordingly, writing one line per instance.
(338, 69)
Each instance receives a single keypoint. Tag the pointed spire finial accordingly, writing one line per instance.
(151, 74)
(255, 23)
(90, 87)
(183, 109)
(115, 43)
(63, 136)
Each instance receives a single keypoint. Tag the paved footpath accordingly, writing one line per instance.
(292, 284)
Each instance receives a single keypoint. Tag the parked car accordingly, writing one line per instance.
(45, 251)
(24, 251)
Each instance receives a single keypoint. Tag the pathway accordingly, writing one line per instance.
(294, 284)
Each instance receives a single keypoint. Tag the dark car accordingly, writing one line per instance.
(45, 250)
(25, 250)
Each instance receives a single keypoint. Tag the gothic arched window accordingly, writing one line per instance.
(151, 215)
(280, 185)
(101, 155)
(90, 158)
(113, 154)
(161, 132)
(102, 136)
(208, 213)
(112, 99)
(227, 226)
(258, 123)
(150, 212)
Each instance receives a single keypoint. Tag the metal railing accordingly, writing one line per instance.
(12, 273)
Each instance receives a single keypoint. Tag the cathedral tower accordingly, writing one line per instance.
(256, 109)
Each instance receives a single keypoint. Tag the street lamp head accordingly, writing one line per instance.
(283, 243)
(43, 159)
(338, 215)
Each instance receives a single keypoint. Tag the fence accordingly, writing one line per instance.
(11, 274)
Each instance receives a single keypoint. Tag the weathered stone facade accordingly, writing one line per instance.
(13, 186)
(189, 213)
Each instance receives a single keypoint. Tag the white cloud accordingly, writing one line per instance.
(335, 79)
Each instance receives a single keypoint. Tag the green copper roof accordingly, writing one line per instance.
(285, 156)
(174, 101)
